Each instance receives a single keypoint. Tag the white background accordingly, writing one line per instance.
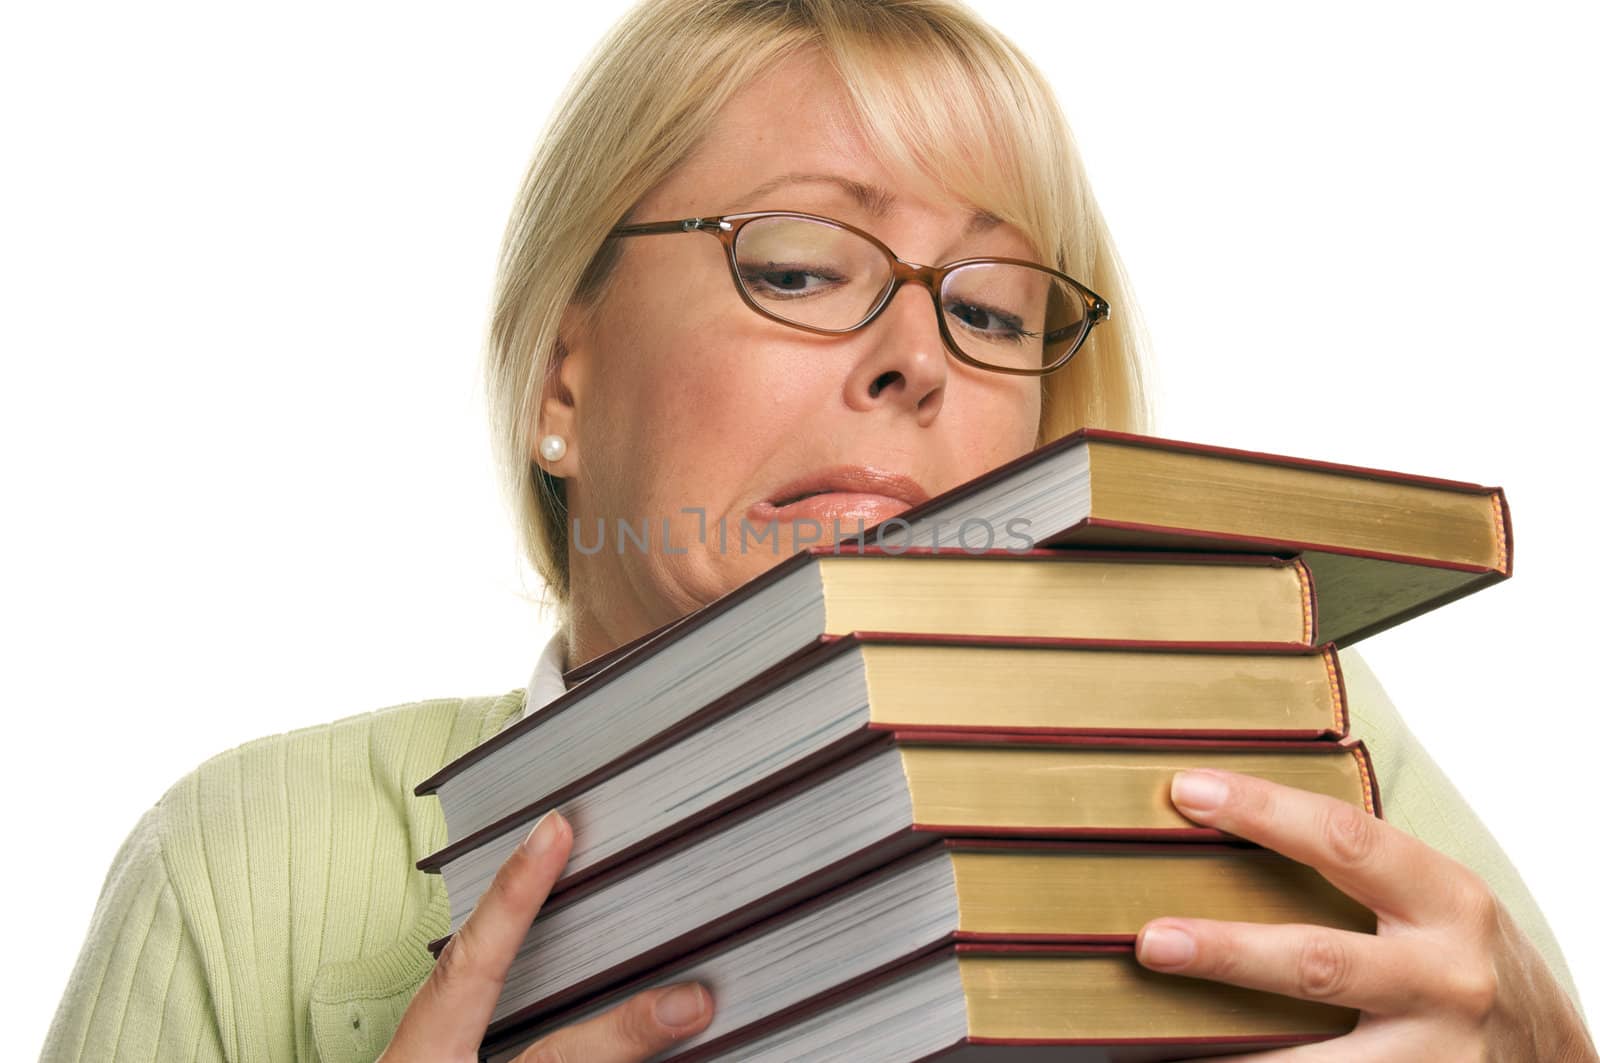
(246, 257)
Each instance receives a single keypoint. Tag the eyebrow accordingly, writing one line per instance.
(874, 199)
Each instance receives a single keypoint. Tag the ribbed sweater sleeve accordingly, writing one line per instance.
(138, 991)
(1421, 800)
(269, 904)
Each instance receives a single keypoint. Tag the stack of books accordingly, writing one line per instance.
(905, 796)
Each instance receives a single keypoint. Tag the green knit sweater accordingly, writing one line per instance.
(268, 907)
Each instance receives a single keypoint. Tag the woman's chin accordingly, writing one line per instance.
(763, 548)
(734, 553)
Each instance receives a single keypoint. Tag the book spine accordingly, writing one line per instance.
(1308, 602)
(1341, 700)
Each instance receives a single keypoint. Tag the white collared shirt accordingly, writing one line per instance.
(546, 684)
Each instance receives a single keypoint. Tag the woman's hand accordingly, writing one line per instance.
(446, 1019)
(1448, 976)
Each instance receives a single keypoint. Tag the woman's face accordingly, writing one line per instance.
(674, 396)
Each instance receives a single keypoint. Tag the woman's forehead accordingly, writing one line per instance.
(779, 126)
(791, 139)
(794, 173)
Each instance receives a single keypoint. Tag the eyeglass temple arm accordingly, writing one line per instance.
(1098, 312)
(682, 225)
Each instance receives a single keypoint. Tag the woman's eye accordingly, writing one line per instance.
(788, 281)
(993, 324)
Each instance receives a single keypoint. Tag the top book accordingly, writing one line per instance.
(1382, 546)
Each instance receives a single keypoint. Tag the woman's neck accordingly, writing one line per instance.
(590, 635)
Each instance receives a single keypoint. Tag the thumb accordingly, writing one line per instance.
(449, 1013)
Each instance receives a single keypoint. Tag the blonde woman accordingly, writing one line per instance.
(268, 906)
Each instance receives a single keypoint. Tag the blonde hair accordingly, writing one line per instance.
(921, 75)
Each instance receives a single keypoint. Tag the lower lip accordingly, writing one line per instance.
(846, 507)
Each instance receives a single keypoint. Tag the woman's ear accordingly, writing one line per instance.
(555, 438)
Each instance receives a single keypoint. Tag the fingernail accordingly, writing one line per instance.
(1200, 791)
(1165, 946)
(543, 834)
(681, 1006)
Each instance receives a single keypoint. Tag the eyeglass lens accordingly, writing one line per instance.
(999, 314)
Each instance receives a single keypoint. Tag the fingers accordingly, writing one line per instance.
(1334, 1051)
(1373, 862)
(1391, 1042)
(449, 1013)
(1337, 1050)
(1381, 975)
(638, 1028)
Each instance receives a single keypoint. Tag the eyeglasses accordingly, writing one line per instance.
(819, 275)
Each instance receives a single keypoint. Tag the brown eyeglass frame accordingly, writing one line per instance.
(726, 228)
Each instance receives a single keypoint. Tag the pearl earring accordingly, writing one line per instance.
(552, 448)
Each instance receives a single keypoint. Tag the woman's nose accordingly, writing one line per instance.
(903, 359)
